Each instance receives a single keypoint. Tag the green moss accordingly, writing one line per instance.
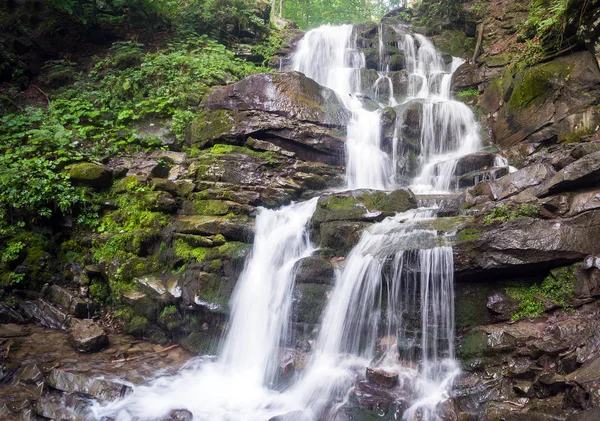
(210, 207)
(455, 43)
(537, 83)
(167, 311)
(233, 250)
(208, 127)
(474, 345)
(575, 136)
(557, 287)
(99, 291)
(468, 234)
(341, 203)
(87, 171)
(215, 265)
(185, 251)
(137, 325)
(504, 213)
(127, 184)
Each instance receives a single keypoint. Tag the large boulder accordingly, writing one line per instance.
(527, 245)
(287, 109)
(549, 101)
(291, 95)
(87, 336)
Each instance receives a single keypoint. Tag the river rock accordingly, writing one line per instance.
(87, 336)
(103, 390)
(473, 162)
(382, 377)
(179, 415)
(314, 270)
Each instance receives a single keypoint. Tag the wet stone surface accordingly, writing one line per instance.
(41, 375)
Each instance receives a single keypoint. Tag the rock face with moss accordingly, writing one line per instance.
(287, 110)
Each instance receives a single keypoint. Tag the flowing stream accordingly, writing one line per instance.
(392, 308)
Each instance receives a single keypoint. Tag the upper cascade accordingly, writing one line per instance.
(429, 131)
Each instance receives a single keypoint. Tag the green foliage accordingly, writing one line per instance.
(267, 50)
(504, 213)
(310, 13)
(432, 12)
(468, 94)
(557, 287)
(96, 118)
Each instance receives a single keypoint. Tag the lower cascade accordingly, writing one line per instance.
(389, 321)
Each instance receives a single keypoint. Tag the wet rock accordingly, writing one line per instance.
(69, 301)
(475, 177)
(526, 241)
(103, 390)
(56, 406)
(382, 377)
(473, 162)
(45, 314)
(314, 270)
(290, 94)
(362, 205)
(500, 341)
(585, 172)
(234, 229)
(288, 110)
(87, 336)
(518, 181)
(89, 174)
(339, 236)
(198, 343)
(309, 302)
(10, 315)
(179, 415)
(501, 304)
(141, 302)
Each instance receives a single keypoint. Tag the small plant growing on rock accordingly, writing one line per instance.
(505, 213)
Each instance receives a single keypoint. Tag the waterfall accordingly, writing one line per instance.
(393, 304)
(238, 382)
(392, 307)
(329, 55)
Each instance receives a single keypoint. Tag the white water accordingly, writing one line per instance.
(398, 273)
(236, 386)
(328, 54)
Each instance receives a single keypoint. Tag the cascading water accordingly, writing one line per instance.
(237, 384)
(392, 305)
(328, 55)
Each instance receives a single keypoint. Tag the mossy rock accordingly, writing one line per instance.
(474, 345)
(211, 127)
(538, 83)
(89, 174)
(355, 205)
(309, 302)
(340, 236)
(214, 208)
(455, 43)
(198, 343)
